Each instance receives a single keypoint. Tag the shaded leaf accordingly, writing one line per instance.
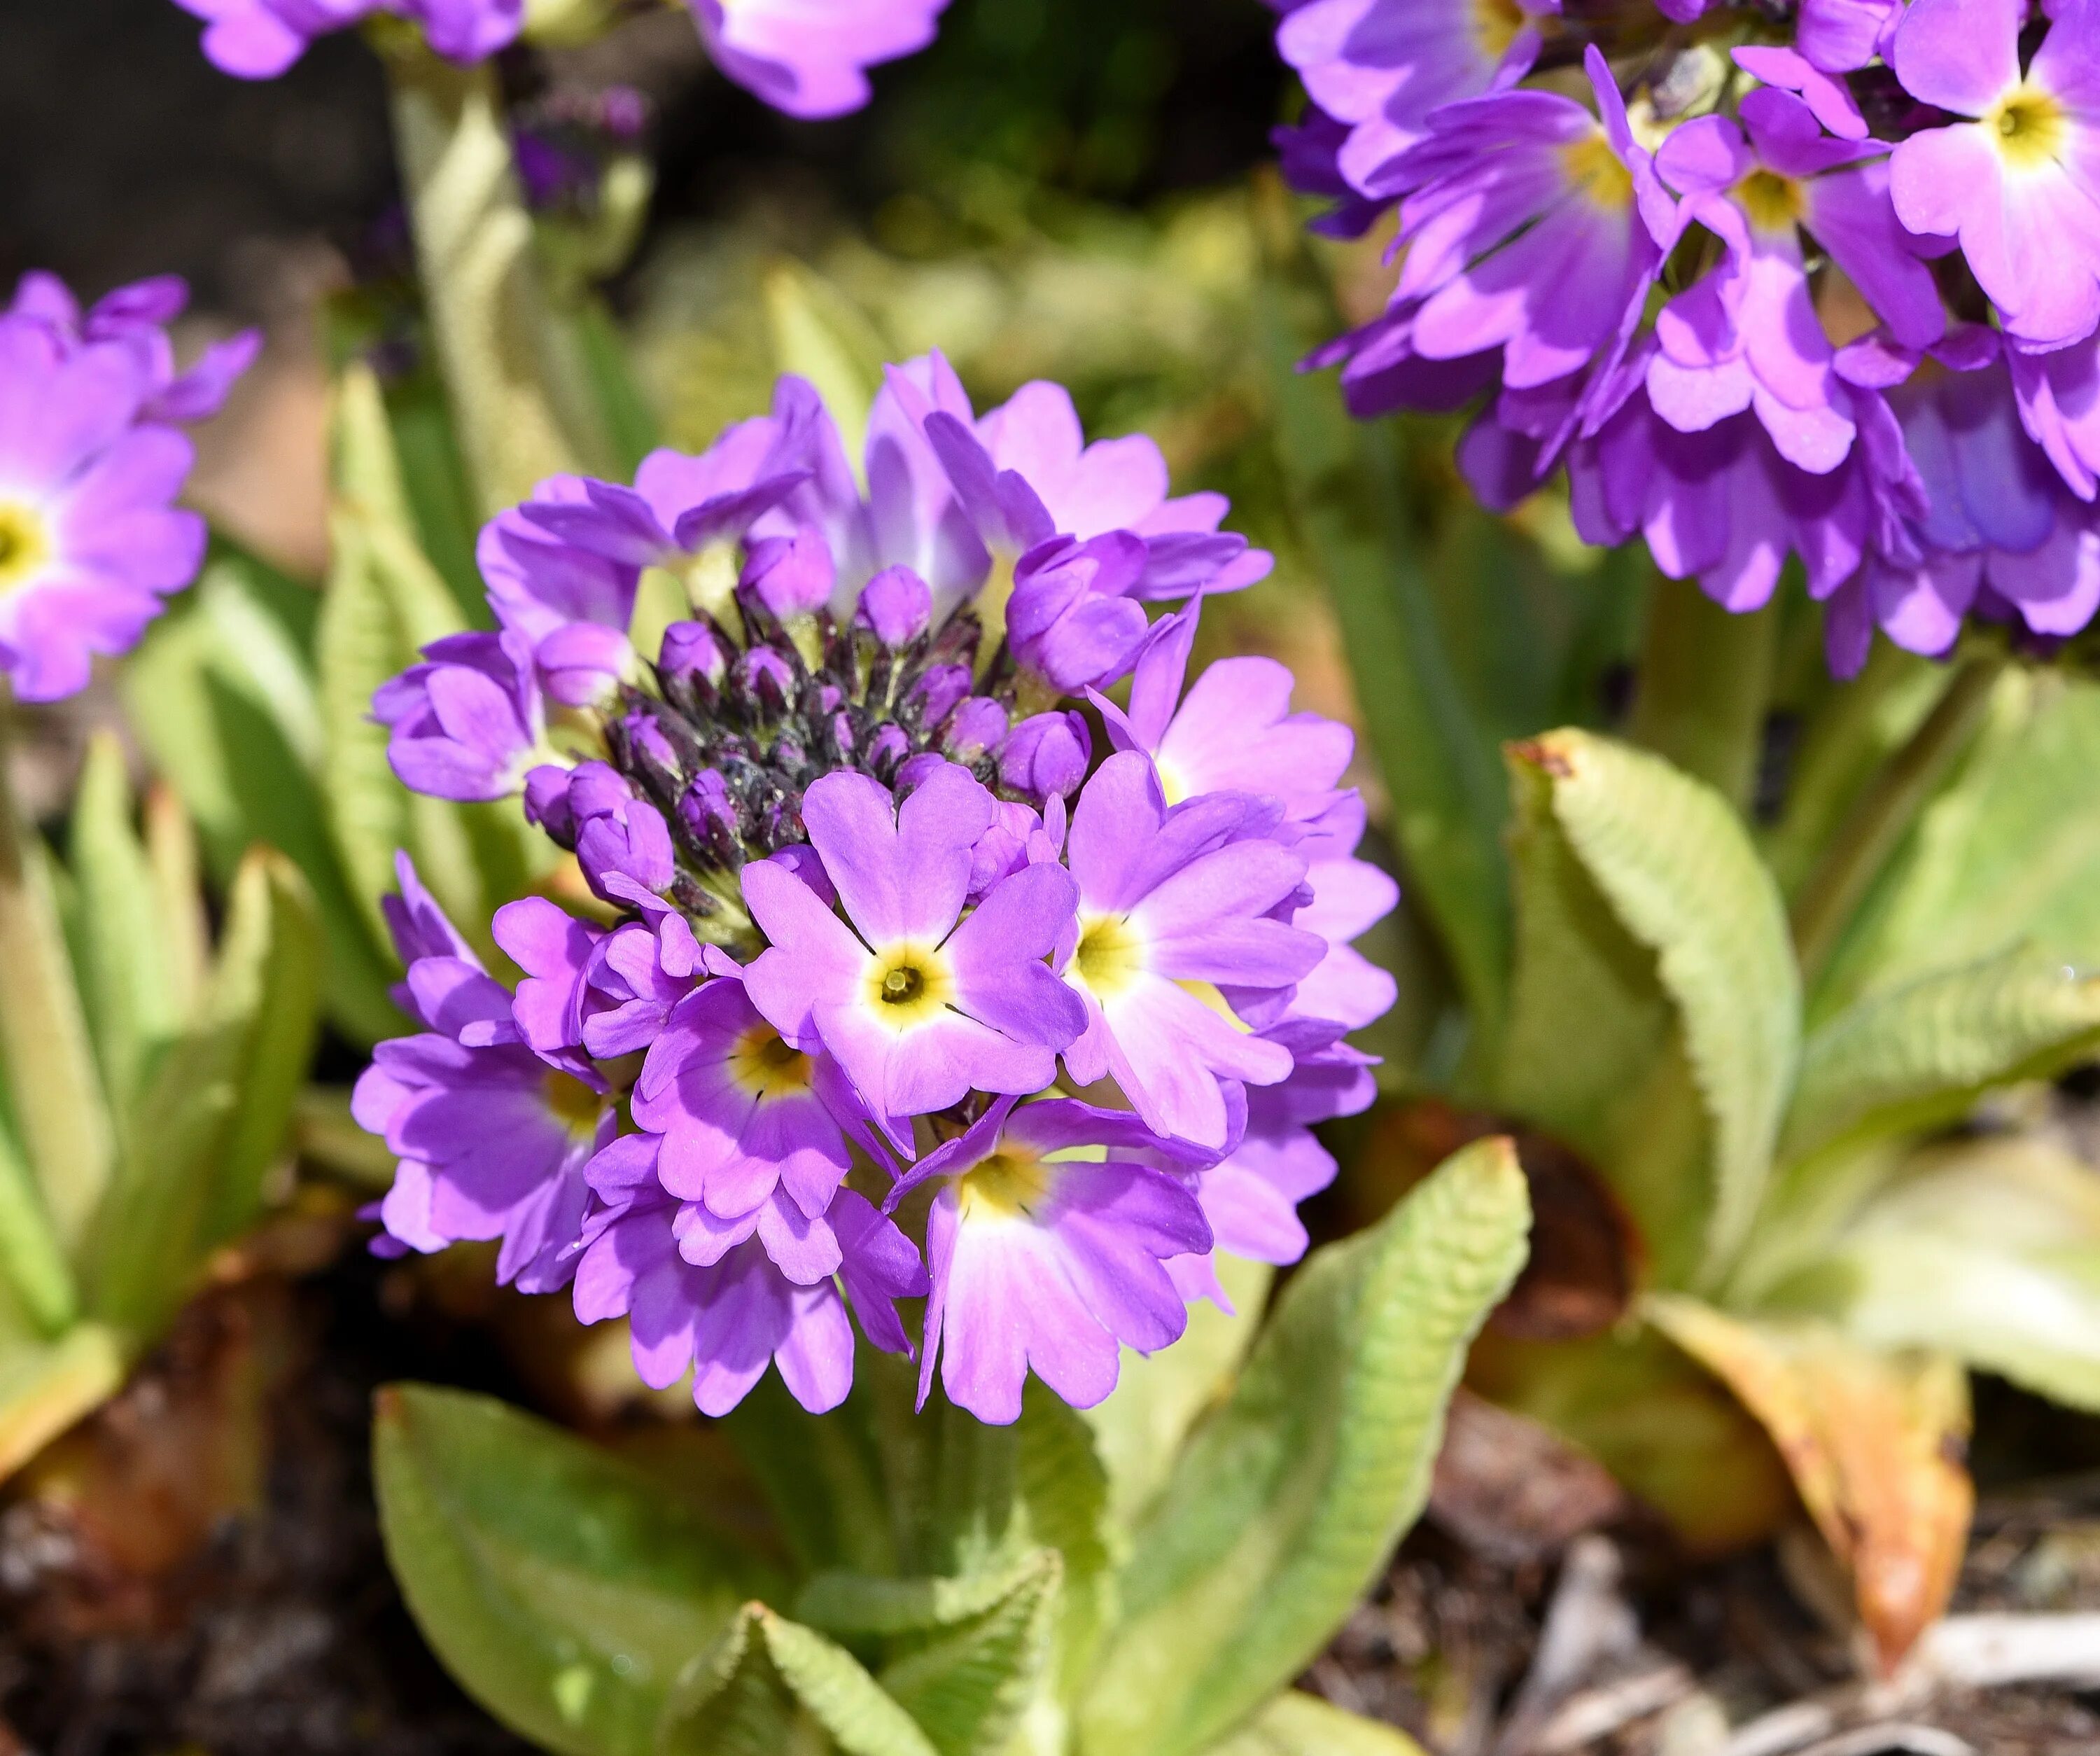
(1673, 861)
(1873, 1440)
(1298, 1724)
(217, 1109)
(1986, 1248)
(1139, 1429)
(32, 1265)
(566, 1590)
(1907, 1057)
(772, 1686)
(1285, 1503)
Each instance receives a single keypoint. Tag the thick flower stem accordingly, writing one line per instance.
(1705, 681)
(1888, 807)
(54, 1094)
(520, 392)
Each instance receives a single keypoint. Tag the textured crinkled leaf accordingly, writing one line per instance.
(1986, 1249)
(773, 1688)
(1909, 1056)
(1286, 1502)
(856, 1605)
(1873, 1439)
(45, 1386)
(566, 1590)
(1139, 1429)
(1298, 1724)
(2004, 855)
(968, 1682)
(135, 1006)
(218, 1108)
(1673, 862)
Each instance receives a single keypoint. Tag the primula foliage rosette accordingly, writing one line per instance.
(921, 969)
(1819, 281)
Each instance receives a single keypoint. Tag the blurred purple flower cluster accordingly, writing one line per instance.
(91, 463)
(924, 969)
(808, 57)
(1818, 280)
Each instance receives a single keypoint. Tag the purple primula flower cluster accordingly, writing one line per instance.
(924, 970)
(91, 460)
(1798, 284)
(807, 58)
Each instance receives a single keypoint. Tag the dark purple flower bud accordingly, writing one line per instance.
(898, 605)
(887, 746)
(937, 691)
(692, 648)
(768, 676)
(918, 770)
(646, 739)
(707, 808)
(975, 729)
(1045, 755)
(789, 575)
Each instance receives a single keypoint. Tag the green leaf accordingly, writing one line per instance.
(564, 1589)
(1343, 478)
(45, 1388)
(2004, 855)
(32, 1265)
(1286, 1503)
(1912, 1056)
(1139, 1429)
(967, 1684)
(822, 1475)
(1674, 863)
(134, 1004)
(1986, 1249)
(819, 334)
(1297, 1724)
(217, 1109)
(630, 421)
(54, 1094)
(773, 1688)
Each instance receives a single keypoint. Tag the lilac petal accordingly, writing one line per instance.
(1959, 54)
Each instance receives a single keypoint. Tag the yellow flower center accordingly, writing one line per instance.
(571, 1103)
(1008, 1185)
(25, 545)
(2028, 124)
(1773, 202)
(1595, 172)
(1111, 954)
(766, 1066)
(909, 984)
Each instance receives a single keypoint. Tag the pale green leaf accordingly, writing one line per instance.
(772, 1687)
(135, 1005)
(217, 1109)
(818, 334)
(32, 1265)
(1988, 1248)
(1298, 1724)
(565, 1590)
(1139, 1429)
(1674, 862)
(45, 1388)
(966, 1683)
(1909, 1057)
(1286, 1503)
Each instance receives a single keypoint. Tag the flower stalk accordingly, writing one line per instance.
(1705, 681)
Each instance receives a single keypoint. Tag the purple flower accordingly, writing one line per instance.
(1072, 621)
(2001, 532)
(1174, 909)
(741, 1111)
(1379, 67)
(1045, 755)
(90, 540)
(918, 1009)
(2016, 182)
(259, 39)
(1747, 336)
(467, 723)
(134, 317)
(1044, 1256)
(726, 1320)
(809, 58)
